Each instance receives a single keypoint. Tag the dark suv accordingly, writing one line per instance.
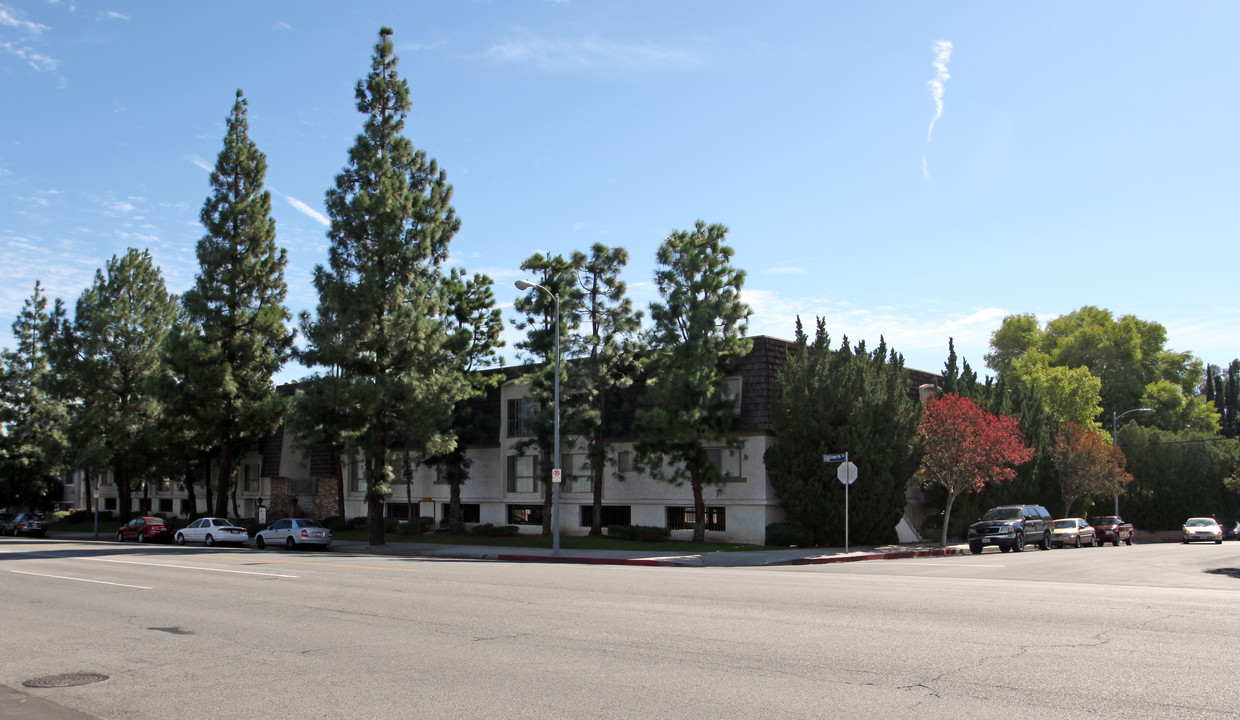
(1011, 527)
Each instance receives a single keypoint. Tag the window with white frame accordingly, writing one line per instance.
(249, 477)
(521, 412)
(624, 461)
(576, 473)
(728, 461)
(354, 475)
(522, 471)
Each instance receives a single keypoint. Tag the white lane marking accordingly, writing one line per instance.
(100, 582)
(187, 567)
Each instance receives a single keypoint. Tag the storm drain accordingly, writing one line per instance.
(66, 680)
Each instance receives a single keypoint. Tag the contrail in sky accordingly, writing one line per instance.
(942, 53)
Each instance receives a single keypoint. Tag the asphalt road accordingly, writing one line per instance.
(1131, 632)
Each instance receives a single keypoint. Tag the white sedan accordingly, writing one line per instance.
(1202, 528)
(292, 533)
(212, 530)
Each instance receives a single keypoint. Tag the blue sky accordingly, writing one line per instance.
(910, 170)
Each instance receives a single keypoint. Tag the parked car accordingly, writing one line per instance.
(1011, 527)
(5, 517)
(292, 533)
(1231, 530)
(1202, 529)
(212, 530)
(145, 529)
(28, 524)
(1075, 532)
(1112, 529)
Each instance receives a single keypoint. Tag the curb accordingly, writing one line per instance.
(901, 555)
(588, 561)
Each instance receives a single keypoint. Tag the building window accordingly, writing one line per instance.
(354, 471)
(525, 514)
(249, 478)
(401, 511)
(727, 461)
(521, 414)
(522, 470)
(109, 503)
(165, 505)
(624, 461)
(441, 475)
(165, 485)
(303, 487)
(611, 515)
(470, 512)
(683, 518)
(575, 471)
(734, 391)
(186, 508)
(105, 478)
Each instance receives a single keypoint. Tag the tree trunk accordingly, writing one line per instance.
(947, 516)
(596, 527)
(190, 496)
(225, 479)
(699, 509)
(206, 484)
(545, 472)
(455, 477)
(374, 502)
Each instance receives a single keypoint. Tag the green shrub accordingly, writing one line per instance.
(788, 534)
(426, 524)
(358, 523)
(335, 523)
(78, 517)
(391, 524)
(639, 533)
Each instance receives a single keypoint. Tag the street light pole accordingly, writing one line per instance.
(1115, 438)
(555, 459)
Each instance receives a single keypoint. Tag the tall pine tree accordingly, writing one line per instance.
(237, 338)
(697, 338)
(384, 304)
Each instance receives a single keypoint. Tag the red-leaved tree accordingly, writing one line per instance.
(1088, 464)
(967, 447)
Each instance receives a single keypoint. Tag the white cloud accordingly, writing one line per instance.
(200, 163)
(589, 53)
(38, 61)
(306, 210)
(9, 18)
(120, 206)
(283, 26)
(113, 15)
(942, 54)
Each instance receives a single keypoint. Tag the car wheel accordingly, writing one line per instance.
(1005, 548)
(1093, 541)
(1046, 543)
(975, 549)
(259, 542)
(1216, 542)
(1078, 541)
(119, 537)
(1115, 542)
(180, 539)
(1128, 541)
(1185, 541)
(209, 541)
(141, 538)
(290, 543)
(1019, 545)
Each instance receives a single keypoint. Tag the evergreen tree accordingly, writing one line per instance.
(559, 276)
(32, 415)
(115, 343)
(384, 306)
(608, 363)
(833, 401)
(697, 338)
(237, 336)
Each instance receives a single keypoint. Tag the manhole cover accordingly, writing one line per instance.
(67, 680)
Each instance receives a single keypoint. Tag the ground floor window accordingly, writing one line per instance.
(186, 507)
(470, 512)
(611, 515)
(109, 503)
(525, 514)
(684, 518)
(401, 511)
(522, 470)
(165, 505)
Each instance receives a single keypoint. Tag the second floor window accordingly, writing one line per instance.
(521, 473)
(521, 414)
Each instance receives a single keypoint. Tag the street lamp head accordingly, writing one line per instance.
(524, 285)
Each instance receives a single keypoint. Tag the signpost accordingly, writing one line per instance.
(847, 473)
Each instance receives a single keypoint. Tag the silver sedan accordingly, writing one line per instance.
(212, 530)
(293, 533)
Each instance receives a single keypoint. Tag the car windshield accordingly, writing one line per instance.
(1002, 514)
(309, 523)
(1199, 522)
(1065, 524)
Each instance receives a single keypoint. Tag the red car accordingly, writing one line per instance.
(145, 529)
(1112, 529)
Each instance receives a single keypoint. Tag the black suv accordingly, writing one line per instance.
(1011, 527)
